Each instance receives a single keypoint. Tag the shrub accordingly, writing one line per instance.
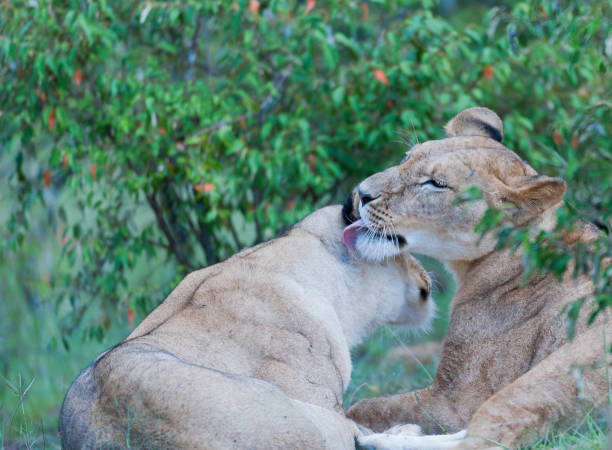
(192, 129)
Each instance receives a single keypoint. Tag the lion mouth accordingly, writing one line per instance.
(356, 229)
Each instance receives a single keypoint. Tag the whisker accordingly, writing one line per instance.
(405, 138)
(386, 255)
(414, 132)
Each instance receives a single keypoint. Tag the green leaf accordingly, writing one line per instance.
(338, 95)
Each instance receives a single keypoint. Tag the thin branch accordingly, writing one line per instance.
(28, 294)
(205, 240)
(271, 100)
(203, 237)
(264, 108)
(210, 70)
(256, 202)
(173, 246)
(172, 243)
(207, 48)
(192, 54)
(206, 244)
(258, 232)
(234, 234)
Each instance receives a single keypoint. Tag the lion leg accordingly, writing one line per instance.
(382, 413)
(152, 399)
(570, 380)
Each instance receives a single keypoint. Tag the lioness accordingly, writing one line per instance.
(251, 352)
(506, 368)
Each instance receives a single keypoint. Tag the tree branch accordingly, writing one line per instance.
(257, 202)
(192, 54)
(161, 222)
(203, 237)
(264, 108)
(234, 234)
(206, 243)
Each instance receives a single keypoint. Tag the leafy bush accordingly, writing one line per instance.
(189, 130)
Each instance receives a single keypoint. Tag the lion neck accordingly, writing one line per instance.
(352, 287)
(363, 295)
(464, 271)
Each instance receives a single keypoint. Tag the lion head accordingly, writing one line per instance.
(416, 205)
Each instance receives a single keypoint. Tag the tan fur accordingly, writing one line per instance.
(506, 369)
(249, 353)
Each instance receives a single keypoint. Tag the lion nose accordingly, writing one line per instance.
(364, 197)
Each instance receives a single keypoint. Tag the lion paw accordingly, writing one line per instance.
(395, 439)
(408, 429)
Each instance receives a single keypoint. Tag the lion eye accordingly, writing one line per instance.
(435, 183)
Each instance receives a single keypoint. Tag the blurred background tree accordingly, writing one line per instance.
(140, 140)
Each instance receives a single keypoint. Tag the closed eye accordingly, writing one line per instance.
(435, 183)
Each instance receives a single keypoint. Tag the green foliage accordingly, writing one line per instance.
(193, 129)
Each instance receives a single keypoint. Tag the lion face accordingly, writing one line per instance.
(418, 308)
(415, 205)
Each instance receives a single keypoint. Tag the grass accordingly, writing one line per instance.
(32, 390)
(590, 433)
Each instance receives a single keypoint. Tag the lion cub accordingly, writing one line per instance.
(251, 352)
(507, 368)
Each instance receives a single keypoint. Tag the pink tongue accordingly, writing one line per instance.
(350, 233)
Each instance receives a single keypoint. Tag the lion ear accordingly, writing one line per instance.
(536, 195)
(476, 122)
(350, 209)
